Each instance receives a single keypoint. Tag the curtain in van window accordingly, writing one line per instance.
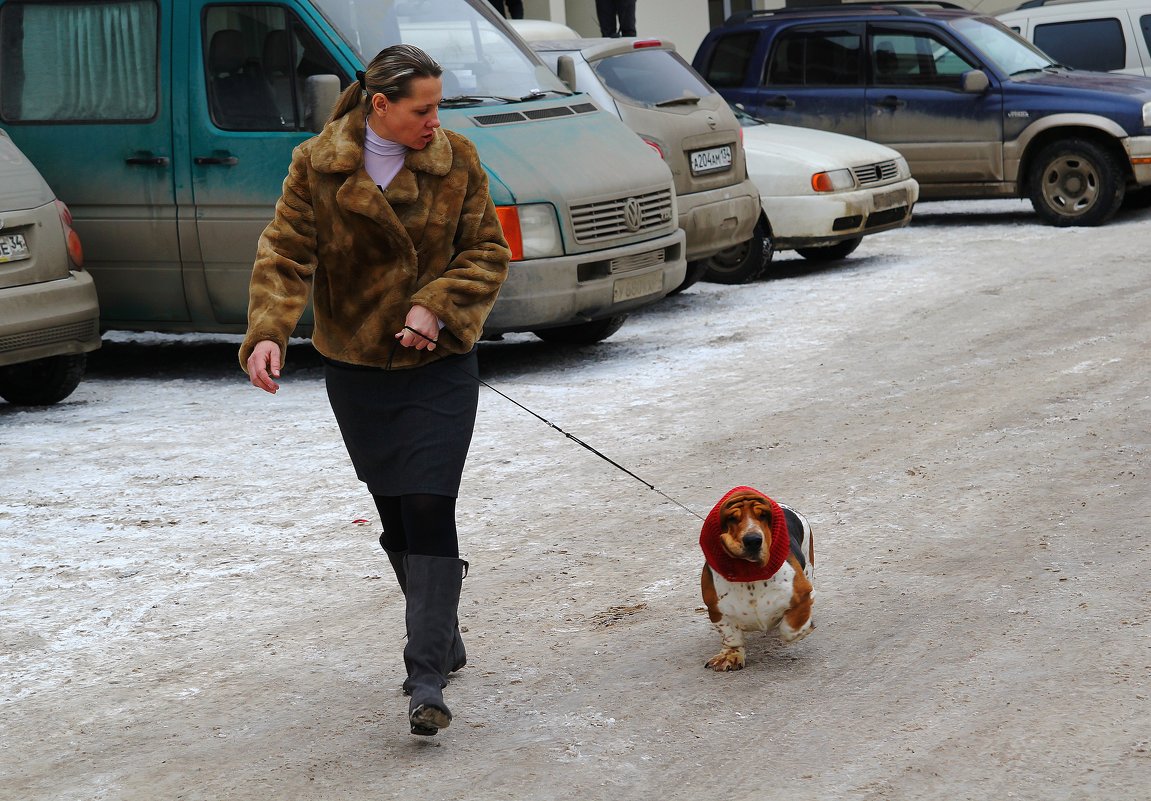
(91, 61)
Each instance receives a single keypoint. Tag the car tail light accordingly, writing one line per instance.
(75, 249)
(646, 43)
(510, 222)
(654, 146)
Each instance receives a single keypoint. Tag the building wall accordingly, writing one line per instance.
(686, 22)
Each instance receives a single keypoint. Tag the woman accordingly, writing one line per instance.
(388, 219)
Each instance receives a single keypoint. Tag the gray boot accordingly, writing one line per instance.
(433, 597)
(458, 656)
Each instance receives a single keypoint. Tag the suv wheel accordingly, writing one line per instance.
(582, 333)
(43, 381)
(1076, 182)
(743, 263)
(840, 250)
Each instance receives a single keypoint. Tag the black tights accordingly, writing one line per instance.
(419, 524)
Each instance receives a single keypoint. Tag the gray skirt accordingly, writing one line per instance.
(407, 431)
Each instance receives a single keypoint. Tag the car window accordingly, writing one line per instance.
(650, 77)
(730, 58)
(256, 59)
(1145, 24)
(71, 62)
(1089, 44)
(815, 57)
(1000, 46)
(914, 58)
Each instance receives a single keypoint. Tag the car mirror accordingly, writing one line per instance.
(975, 82)
(565, 69)
(320, 95)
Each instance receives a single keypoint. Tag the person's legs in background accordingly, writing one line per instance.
(626, 11)
(605, 13)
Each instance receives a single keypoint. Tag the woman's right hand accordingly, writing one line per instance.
(264, 364)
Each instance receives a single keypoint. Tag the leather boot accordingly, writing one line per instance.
(433, 599)
(457, 656)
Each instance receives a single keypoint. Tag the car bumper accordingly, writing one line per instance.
(52, 318)
(718, 218)
(1139, 153)
(813, 220)
(567, 290)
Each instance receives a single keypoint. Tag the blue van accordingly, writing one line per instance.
(167, 127)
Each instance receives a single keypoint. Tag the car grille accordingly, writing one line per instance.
(607, 219)
(881, 173)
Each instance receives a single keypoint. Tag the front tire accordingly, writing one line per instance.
(582, 333)
(1076, 182)
(744, 262)
(840, 250)
(42, 382)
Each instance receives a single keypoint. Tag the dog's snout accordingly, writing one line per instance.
(752, 542)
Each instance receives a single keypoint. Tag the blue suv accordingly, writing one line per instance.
(977, 111)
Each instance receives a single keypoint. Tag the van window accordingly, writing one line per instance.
(256, 59)
(901, 58)
(650, 77)
(79, 62)
(730, 58)
(820, 57)
(1089, 44)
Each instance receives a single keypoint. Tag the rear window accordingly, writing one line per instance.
(1090, 44)
(650, 77)
(79, 62)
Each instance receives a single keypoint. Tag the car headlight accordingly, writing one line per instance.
(532, 230)
(833, 181)
(1147, 115)
(901, 165)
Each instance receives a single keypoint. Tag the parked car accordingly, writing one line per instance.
(977, 111)
(1103, 35)
(49, 315)
(658, 95)
(821, 193)
(188, 133)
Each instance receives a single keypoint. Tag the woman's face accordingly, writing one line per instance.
(411, 120)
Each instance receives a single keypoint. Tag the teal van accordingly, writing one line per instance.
(167, 127)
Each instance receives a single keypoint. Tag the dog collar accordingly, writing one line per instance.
(732, 569)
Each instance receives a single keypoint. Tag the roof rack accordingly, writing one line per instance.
(906, 8)
(1039, 3)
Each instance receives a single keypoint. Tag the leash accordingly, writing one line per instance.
(544, 420)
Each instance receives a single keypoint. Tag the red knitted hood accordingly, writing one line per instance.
(734, 569)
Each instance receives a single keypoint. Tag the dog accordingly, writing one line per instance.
(759, 562)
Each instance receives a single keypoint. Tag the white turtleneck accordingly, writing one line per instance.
(383, 158)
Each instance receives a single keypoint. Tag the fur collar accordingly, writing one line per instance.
(732, 569)
(339, 148)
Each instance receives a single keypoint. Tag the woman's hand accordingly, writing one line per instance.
(264, 364)
(421, 329)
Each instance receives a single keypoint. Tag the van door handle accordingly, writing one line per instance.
(780, 101)
(891, 102)
(227, 161)
(156, 161)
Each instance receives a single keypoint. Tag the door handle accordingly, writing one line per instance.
(780, 101)
(154, 161)
(227, 161)
(891, 102)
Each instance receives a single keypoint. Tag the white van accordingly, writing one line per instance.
(1099, 35)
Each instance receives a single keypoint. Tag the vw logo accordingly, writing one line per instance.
(632, 214)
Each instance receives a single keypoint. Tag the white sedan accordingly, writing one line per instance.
(821, 193)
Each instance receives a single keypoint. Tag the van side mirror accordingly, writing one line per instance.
(565, 69)
(975, 82)
(320, 95)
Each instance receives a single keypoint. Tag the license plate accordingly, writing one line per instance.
(636, 286)
(889, 200)
(711, 160)
(13, 248)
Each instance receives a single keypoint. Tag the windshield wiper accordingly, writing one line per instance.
(690, 100)
(1029, 71)
(536, 94)
(458, 101)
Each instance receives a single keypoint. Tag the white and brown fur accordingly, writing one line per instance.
(782, 603)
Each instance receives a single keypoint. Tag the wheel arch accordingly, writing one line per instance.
(1099, 130)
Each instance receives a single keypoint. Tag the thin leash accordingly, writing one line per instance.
(543, 419)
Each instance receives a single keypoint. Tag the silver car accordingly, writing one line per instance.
(49, 315)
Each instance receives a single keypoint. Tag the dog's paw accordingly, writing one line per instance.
(788, 634)
(727, 659)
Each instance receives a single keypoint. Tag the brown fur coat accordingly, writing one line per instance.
(432, 239)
